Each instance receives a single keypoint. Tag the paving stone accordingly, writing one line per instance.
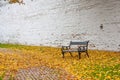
(42, 73)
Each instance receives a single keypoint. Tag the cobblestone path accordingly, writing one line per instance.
(42, 73)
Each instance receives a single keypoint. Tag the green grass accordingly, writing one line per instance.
(106, 72)
(2, 45)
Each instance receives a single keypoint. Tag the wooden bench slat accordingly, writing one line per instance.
(78, 43)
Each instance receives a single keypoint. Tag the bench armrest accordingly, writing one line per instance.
(65, 47)
(82, 48)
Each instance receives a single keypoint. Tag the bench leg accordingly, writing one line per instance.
(79, 55)
(87, 54)
(63, 54)
(71, 54)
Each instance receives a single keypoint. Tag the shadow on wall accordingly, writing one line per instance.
(101, 26)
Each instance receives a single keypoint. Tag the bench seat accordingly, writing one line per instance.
(74, 50)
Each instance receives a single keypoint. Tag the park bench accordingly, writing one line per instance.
(76, 46)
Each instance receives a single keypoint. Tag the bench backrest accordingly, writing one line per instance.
(85, 43)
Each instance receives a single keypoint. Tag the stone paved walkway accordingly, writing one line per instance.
(42, 73)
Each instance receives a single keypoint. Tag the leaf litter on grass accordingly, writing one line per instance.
(101, 64)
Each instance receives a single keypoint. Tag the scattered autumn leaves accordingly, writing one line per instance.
(100, 65)
(16, 1)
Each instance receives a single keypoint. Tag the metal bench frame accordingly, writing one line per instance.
(81, 47)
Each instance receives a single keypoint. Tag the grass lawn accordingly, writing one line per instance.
(102, 65)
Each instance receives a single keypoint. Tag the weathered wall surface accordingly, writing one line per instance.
(56, 22)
